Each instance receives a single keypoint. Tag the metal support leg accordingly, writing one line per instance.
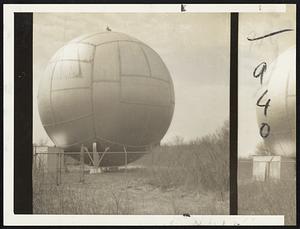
(95, 155)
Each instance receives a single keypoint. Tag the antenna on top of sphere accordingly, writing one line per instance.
(108, 29)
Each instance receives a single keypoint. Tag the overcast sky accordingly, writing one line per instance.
(195, 48)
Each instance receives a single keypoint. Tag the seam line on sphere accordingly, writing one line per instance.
(79, 64)
(146, 104)
(146, 58)
(107, 42)
(146, 123)
(75, 60)
(70, 120)
(171, 86)
(108, 81)
(51, 85)
(66, 89)
(92, 93)
(86, 43)
(143, 76)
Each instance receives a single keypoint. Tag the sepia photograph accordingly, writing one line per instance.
(130, 113)
(150, 114)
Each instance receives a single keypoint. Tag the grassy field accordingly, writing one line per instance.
(277, 197)
(269, 198)
(183, 177)
(180, 178)
(123, 193)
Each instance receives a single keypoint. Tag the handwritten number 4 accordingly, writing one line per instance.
(263, 105)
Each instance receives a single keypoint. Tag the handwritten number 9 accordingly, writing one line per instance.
(259, 71)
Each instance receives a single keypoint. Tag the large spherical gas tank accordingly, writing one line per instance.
(280, 81)
(107, 88)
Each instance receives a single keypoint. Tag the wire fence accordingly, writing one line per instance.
(64, 183)
(51, 164)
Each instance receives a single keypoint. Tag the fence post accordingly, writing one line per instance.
(82, 164)
(57, 167)
(152, 160)
(60, 161)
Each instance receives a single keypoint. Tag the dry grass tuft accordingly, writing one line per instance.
(202, 164)
(269, 198)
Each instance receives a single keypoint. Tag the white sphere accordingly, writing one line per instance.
(108, 88)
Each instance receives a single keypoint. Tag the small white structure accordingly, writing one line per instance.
(273, 167)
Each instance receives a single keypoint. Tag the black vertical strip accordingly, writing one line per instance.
(22, 113)
(233, 113)
(297, 114)
(1, 104)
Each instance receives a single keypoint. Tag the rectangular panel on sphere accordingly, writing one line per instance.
(66, 69)
(133, 60)
(71, 104)
(71, 74)
(158, 68)
(106, 63)
(158, 120)
(143, 90)
(106, 99)
(73, 132)
(134, 122)
(86, 52)
(77, 51)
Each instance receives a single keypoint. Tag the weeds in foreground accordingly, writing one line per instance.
(269, 198)
(201, 164)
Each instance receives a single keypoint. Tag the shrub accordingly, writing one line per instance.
(201, 163)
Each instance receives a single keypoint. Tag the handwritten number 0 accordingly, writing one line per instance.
(264, 126)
